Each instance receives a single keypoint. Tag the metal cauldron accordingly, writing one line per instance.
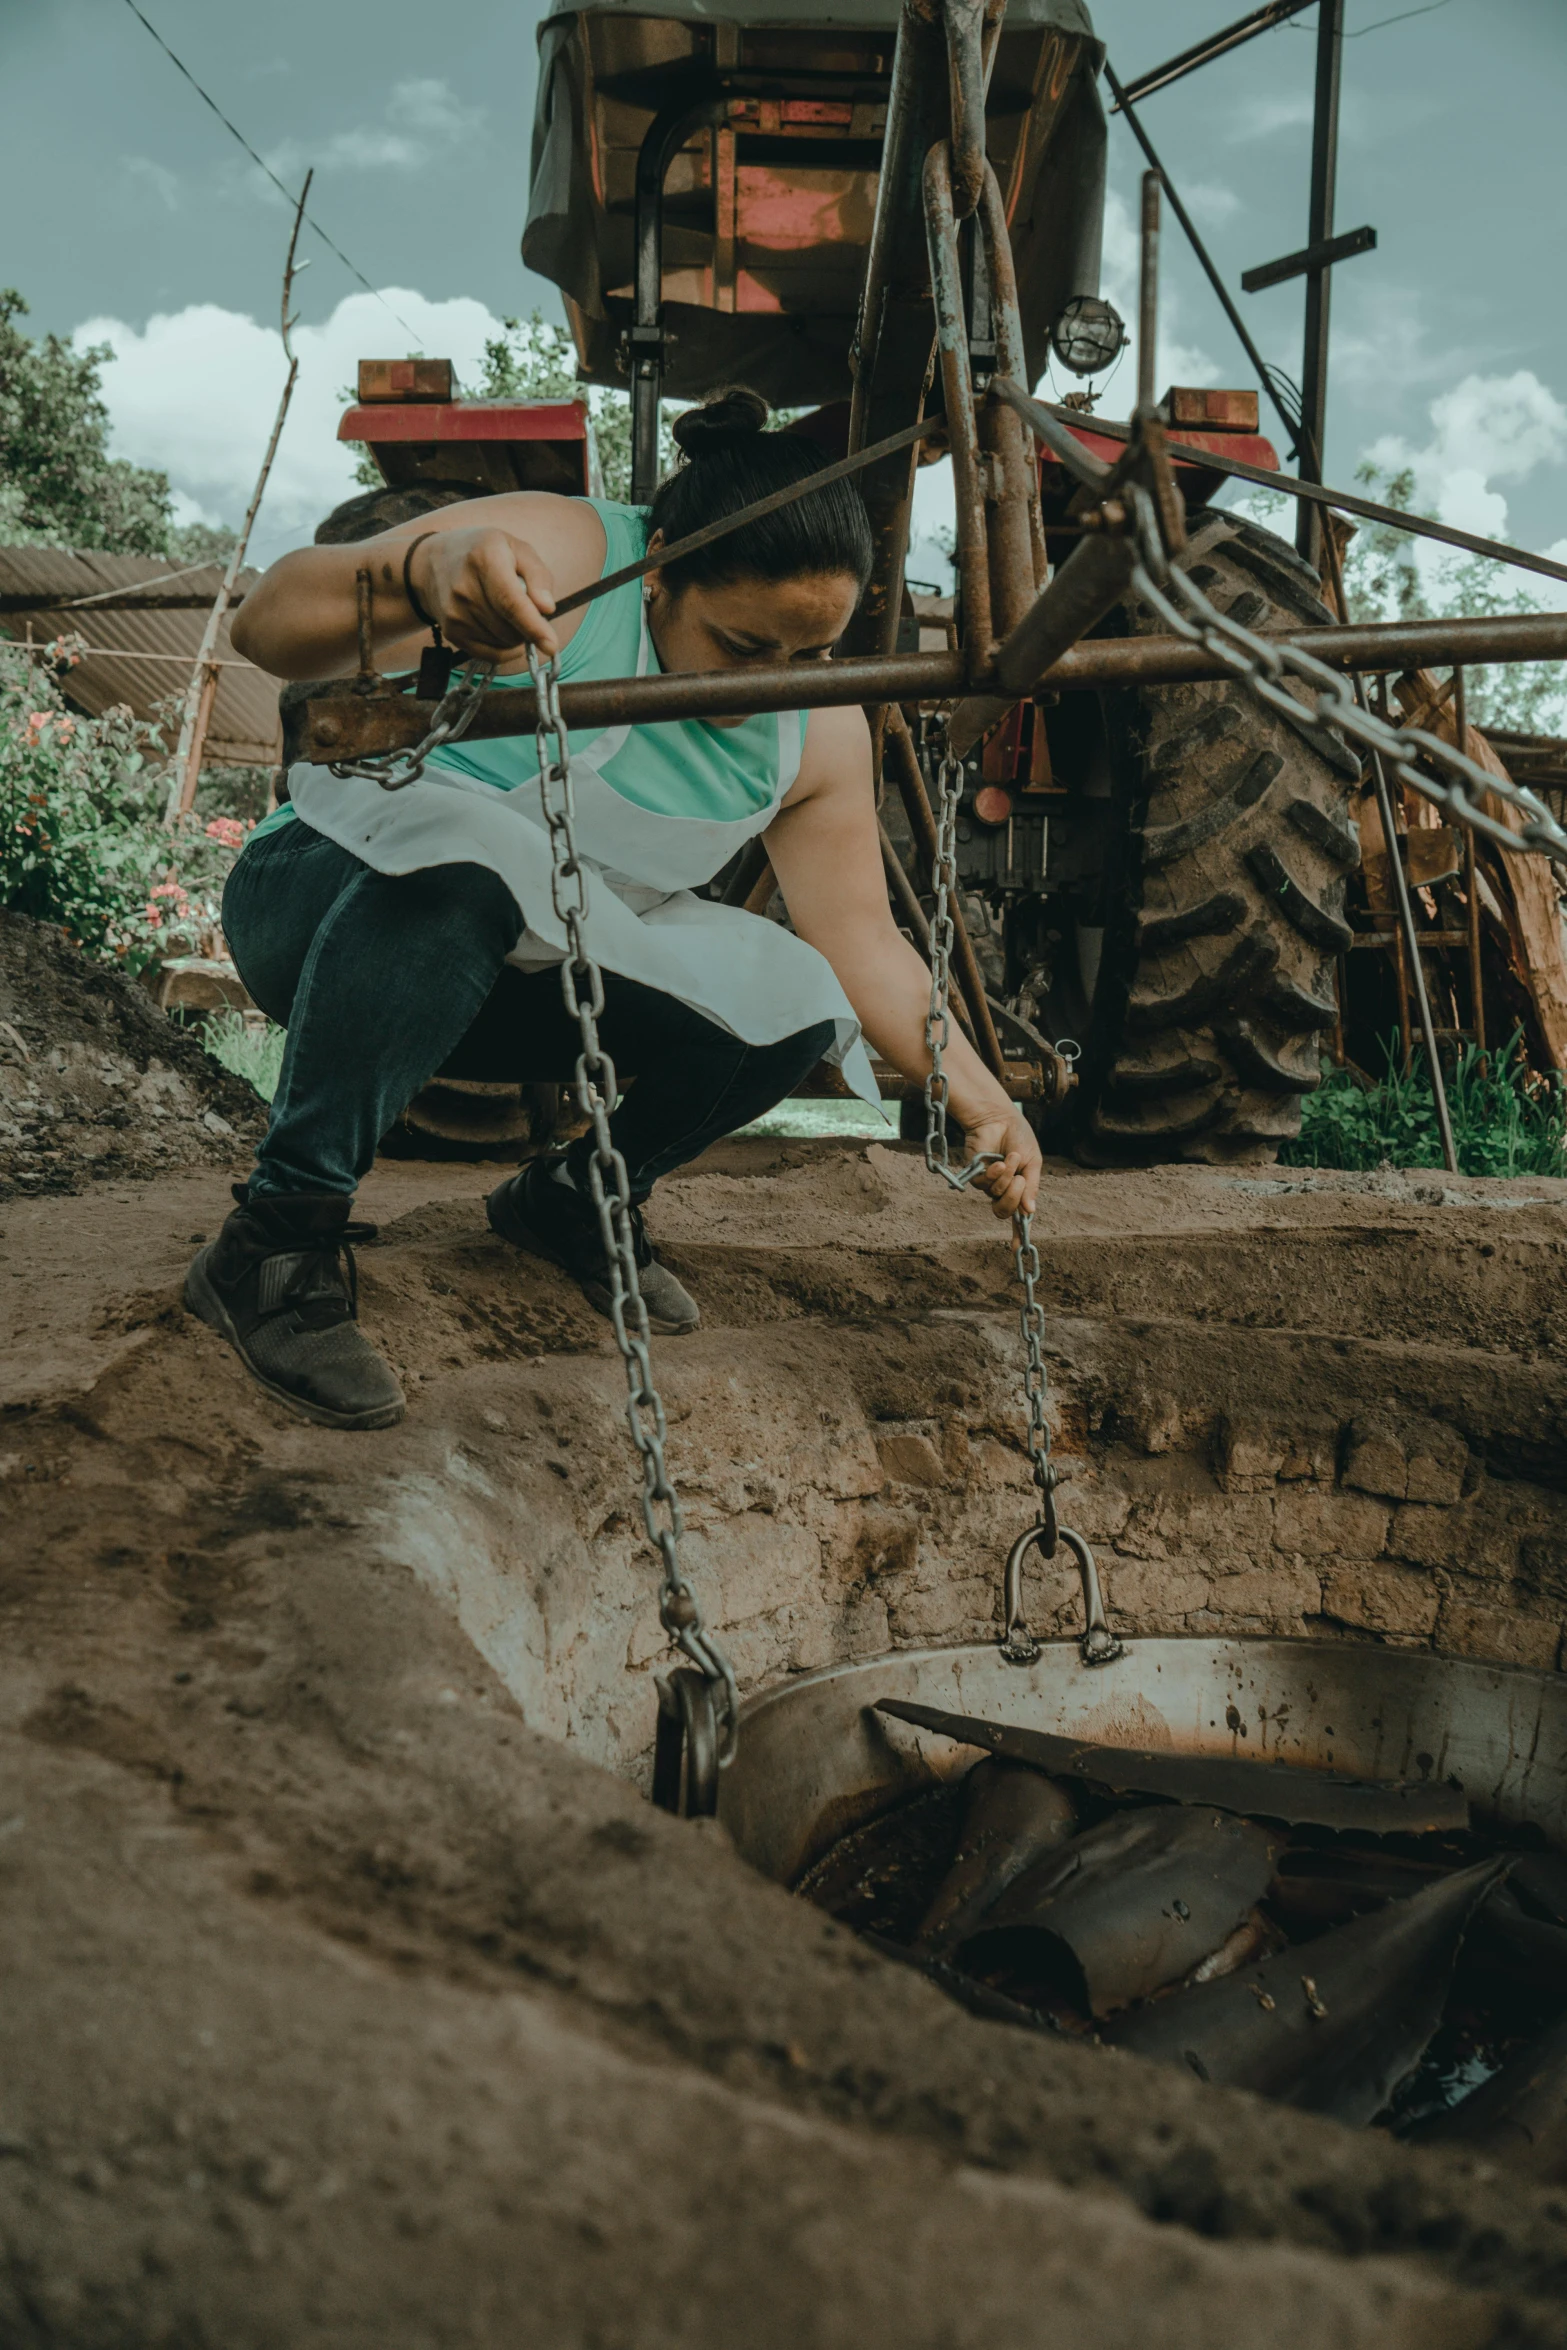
(815, 1760)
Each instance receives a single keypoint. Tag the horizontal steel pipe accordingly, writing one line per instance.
(344, 724)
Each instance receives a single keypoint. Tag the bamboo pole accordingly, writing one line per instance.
(202, 690)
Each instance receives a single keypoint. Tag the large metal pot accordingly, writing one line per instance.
(815, 1760)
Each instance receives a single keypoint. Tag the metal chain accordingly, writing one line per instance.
(454, 714)
(938, 1029)
(1262, 664)
(582, 984)
(944, 882)
(1099, 1645)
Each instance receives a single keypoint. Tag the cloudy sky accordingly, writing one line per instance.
(130, 217)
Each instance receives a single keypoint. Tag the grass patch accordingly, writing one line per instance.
(805, 1118)
(1506, 1120)
(248, 1051)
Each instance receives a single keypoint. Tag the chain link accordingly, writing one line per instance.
(949, 786)
(938, 1029)
(582, 984)
(454, 714)
(1262, 664)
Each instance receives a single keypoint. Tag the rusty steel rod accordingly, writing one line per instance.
(1148, 295)
(1418, 526)
(968, 485)
(340, 723)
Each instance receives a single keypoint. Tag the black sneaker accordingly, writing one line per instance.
(273, 1285)
(553, 1219)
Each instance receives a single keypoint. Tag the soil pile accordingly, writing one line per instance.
(348, 2003)
(95, 1080)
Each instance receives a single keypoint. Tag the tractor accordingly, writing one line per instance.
(1155, 872)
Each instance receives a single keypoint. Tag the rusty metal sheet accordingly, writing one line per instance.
(141, 624)
(1332, 2026)
(1012, 1817)
(1273, 1791)
(1137, 1902)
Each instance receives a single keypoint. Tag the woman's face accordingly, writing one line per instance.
(749, 623)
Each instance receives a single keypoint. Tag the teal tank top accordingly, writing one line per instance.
(679, 767)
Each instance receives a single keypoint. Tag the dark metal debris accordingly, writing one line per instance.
(1275, 1791)
(1133, 1905)
(1518, 2117)
(1334, 2026)
(1012, 1816)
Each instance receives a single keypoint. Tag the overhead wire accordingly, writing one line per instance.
(237, 134)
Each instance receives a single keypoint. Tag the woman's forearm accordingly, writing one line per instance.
(302, 619)
(889, 988)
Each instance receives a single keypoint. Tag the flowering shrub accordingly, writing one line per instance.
(82, 843)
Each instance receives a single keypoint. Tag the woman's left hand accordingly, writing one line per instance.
(1013, 1185)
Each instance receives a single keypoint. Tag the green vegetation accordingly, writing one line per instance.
(59, 487)
(247, 1048)
(1506, 1121)
(82, 843)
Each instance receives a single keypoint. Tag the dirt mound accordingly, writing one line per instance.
(348, 2003)
(95, 1080)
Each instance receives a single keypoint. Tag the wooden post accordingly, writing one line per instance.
(202, 690)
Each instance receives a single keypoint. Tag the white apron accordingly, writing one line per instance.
(741, 971)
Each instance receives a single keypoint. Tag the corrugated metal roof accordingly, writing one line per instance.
(142, 658)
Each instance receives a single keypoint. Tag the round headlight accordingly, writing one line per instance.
(1089, 334)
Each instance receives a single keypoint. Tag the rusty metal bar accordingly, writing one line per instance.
(1007, 326)
(1159, 77)
(964, 22)
(1093, 577)
(894, 335)
(1418, 526)
(337, 723)
(678, 549)
(1148, 295)
(968, 490)
(1471, 880)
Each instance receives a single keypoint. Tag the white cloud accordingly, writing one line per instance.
(157, 176)
(1264, 118)
(1211, 201)
(1486, 429)
(194, 392)
(422, 119)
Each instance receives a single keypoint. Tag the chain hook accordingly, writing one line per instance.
(1097, 1645)
(705, 1730)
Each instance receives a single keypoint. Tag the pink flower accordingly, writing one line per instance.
(37, 720)
(65, 729)
(227, 831)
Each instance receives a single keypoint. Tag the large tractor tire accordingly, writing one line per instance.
(1223, 898)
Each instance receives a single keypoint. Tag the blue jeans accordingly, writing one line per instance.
(385, 980)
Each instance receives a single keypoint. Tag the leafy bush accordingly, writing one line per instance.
(59, 486)
(1506, 1120)
(82, 843)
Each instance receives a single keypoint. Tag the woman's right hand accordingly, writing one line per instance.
(492, 593)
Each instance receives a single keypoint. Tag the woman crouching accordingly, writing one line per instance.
(398, 935)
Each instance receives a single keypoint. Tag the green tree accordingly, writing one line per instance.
(58, 484)
(1383, 582)
(533, 359)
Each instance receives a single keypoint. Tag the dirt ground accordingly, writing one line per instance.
(94, 1080)
(353, 1993)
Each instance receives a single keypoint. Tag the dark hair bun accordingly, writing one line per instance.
(725, 419)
